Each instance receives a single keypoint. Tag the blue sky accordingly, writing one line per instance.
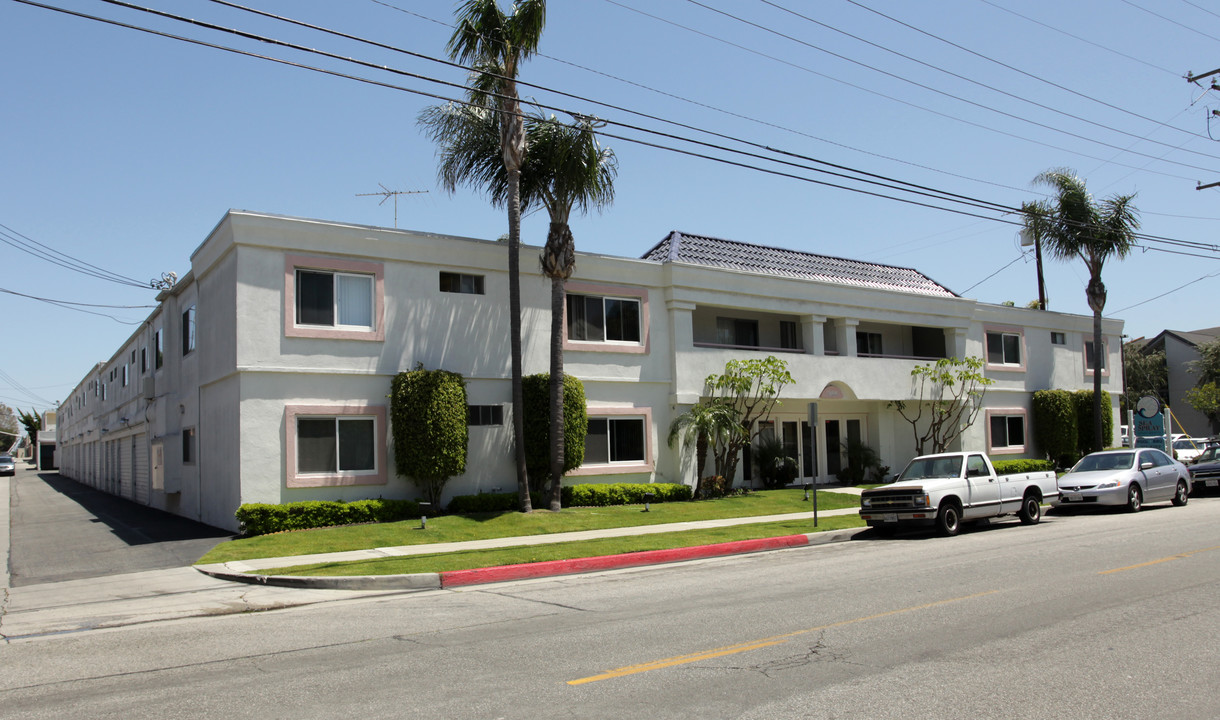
(123, 150)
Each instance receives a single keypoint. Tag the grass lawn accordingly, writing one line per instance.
(457, 528)
(566, 550)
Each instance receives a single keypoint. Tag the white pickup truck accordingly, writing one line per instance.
(950, 488)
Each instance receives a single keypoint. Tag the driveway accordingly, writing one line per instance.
(62, 530)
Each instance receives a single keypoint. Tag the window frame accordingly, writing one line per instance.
(188, 331)
(1060, 337)
(338, 478)
(485, 415)
(868, 336)
(293, 263)
(190, 449)
(617, 293)
(624, 467)
(158, 349)
(1019, 366)
(1009, 413)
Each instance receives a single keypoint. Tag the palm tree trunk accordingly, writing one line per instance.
(514, 311)
(557, 391)
(1097, 355)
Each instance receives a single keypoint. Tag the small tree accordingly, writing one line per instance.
(536, 393)
(950, 392)
(751, 388)
(709, 424)
(8, 426)
(32, 422)
(429, 413)
(1205, 395)
(1146, 373)
(1206, 399)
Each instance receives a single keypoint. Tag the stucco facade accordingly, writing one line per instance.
(245, 388)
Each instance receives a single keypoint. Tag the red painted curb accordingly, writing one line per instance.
(456, 578)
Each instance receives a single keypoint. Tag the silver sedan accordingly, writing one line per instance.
(1127, 478)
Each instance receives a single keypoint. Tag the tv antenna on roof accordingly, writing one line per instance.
(387, 193)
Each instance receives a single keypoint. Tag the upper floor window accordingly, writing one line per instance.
(188, 446)
(592, 318)
(1088, 356)
(789, 338)
(188, 330)
(1058, 338)
(868, 343)
(461, 283)
(330, 298)
(735, 331)
(158, 350)
(143, 360)
(1004, 349)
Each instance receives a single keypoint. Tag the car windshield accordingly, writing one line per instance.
(1185, 445)
(1109, 461)
(933, 467)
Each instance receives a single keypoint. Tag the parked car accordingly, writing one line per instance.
(1187, 449)
(1125, 478)
(1205, 473)
(1209, 454)
(7, 465)
(1125, 434)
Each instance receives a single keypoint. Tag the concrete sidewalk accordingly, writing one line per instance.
(30, 612)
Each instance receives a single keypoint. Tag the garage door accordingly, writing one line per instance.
(139, 464)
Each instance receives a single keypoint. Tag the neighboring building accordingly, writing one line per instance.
(1181, 349)
(45, 457)
(263, 374)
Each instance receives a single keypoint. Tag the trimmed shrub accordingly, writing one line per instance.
(1055, 424)
(714, 486)
(429, 413)
(1012, 467)
(262, 518)
(585, 495)
(536, 392)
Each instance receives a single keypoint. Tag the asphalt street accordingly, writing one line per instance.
(1105, 615)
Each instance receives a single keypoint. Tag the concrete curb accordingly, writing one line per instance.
(524, 571)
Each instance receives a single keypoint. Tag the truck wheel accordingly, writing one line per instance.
(1135, 499)
(1031, 510)
(948, 519)
(1182, 496)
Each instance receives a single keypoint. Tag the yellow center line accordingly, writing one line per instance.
(761, 643)
(1179, 556)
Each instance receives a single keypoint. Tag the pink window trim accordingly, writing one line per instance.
(294, 262)
(1007, 412)
(988, 329)
(1105, 352)
(608, 291)
(622, 468)
(378, 477)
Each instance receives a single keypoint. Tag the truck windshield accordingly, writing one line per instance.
(933, 467)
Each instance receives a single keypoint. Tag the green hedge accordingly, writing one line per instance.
(1084, 420)
(1012, 467)
(536, 394)
(428, 416)
(586, 495)
(1055, 425)
(261, 518)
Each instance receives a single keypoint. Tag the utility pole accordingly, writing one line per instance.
(387, 193)
(1029, 238)
(1194, 80)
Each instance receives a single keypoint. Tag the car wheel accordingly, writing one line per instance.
(1031, 510)
(1182, 496)
(948, 519)
(1135, 499)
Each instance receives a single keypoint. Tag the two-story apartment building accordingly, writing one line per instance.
(263, 374)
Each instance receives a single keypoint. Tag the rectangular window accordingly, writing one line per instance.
(143, 360)
(1058, 338)
(188, 330)
(788, 336)
(460, 283)
(158, 350)
(188, 446)
(1003, 348)
(1088, 356)
(1007, 432)
(125, 375)
(342, 444)
(592, 318)
(332, 299)
(868, 343)
(614, 440)
(484, 415)
(735, 331)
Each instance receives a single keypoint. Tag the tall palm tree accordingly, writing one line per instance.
(1073, 225)
(496, 43)
(566, 168)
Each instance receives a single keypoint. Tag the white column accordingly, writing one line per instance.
(845, 336)
(813, 334)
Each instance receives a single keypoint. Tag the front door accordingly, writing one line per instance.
(841, 433)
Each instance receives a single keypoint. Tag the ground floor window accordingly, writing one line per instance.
(1006, 431)
(614, 440)
(335, 446)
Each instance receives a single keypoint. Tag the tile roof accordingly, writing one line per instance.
(702, 250)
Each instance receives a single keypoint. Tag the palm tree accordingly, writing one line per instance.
(1073, 225)
(566, 168)
(496, 43)
(709, 424)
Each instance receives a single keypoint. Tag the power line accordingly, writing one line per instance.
(39, 250)
(1168, 292)
(1171, 20)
